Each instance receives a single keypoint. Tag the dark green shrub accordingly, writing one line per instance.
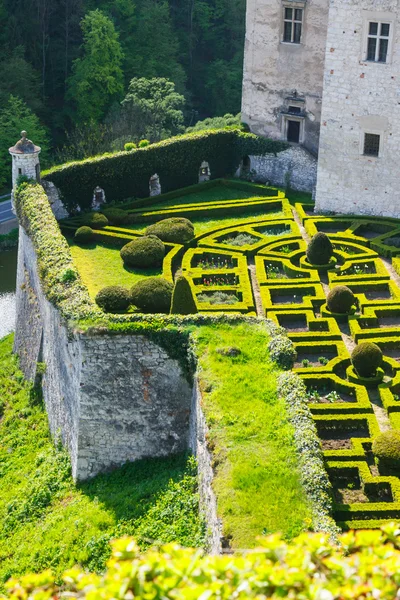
(340, 300)
(113, 298)
(130, 146)
(320, 249)
(183, 302)
(366, 358)
(84, 235)
(176, 160)
(95, 220)
(152, 295)
(176, 230)
(144, 143)
(116, 216)
(386, 448)
(146, 251)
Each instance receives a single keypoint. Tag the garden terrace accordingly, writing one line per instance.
(261, 274)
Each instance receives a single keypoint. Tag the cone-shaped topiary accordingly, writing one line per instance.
(84, 235)
(386, 448)
(145, 251)
(95, 220)
(366, 358)
(320, 249)
(183, 302)
(113, 298)
(176, 230)
(340, 300)
(152, 295)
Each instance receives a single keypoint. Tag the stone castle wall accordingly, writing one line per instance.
(112, 398)
(359, 97)
(294, 168)
(273, 69)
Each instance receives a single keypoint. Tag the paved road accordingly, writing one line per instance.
(6, 213)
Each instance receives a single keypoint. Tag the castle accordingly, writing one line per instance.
(326, 76)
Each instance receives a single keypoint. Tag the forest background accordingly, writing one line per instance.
(86, 76)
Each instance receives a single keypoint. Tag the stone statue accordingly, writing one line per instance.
(154, 185)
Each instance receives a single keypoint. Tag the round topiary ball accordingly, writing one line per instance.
(320, 249)
(366, 358)
(386, 448)
(113, 298)
(152, 295)
(340, 300)
(84, 235)
(95, 220)
(116, 216)
(176, 230)
(144, 252)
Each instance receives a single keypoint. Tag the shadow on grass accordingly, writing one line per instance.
(130, 491)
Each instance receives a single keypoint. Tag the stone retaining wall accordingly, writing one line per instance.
(112, 398)
(293, 168)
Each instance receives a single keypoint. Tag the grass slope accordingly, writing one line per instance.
(257, 483)
(48, 522)
(100, 266)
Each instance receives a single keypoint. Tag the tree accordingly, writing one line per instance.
(97, 77)
(153, 109)
(15, 117)
(18, 77)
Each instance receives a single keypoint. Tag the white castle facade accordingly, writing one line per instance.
(326, 76)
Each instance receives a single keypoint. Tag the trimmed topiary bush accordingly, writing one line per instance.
(144, 252)
(386, 448)
(113, 298)
(176, 230)
(152, 295)
(116, 216)
(366, 358)
(341, 300)
(320, 249)
(130, 146)
(84, 235)
(183, 302)
(144, 143)
(95, 220)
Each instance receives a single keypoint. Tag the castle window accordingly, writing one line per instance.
(378, 41)
(292, 24)
(371, 144)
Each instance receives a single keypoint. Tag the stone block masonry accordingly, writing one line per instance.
(360, 97)
(111, 398)
(293, 168)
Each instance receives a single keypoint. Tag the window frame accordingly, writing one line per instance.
(381, 18)
(378, 135)
(293, 6)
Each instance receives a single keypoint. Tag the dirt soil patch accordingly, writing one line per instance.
(346, 496)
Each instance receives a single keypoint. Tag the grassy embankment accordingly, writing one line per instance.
(100, 265)
(48, 522)
(257, 481)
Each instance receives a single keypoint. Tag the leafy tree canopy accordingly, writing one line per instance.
(97, 76)
(153, 108)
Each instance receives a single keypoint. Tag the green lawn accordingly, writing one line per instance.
(100, 266)
(257, 482)
(48, 522)
(218, 193)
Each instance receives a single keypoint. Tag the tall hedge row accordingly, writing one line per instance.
(176, 160)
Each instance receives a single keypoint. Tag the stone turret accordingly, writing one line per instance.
(25, 159)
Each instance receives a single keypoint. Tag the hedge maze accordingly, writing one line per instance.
(258, 266)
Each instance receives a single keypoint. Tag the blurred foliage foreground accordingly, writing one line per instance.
(365, 565)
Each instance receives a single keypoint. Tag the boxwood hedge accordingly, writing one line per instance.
(176, 160)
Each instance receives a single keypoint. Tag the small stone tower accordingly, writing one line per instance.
(25, 159)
